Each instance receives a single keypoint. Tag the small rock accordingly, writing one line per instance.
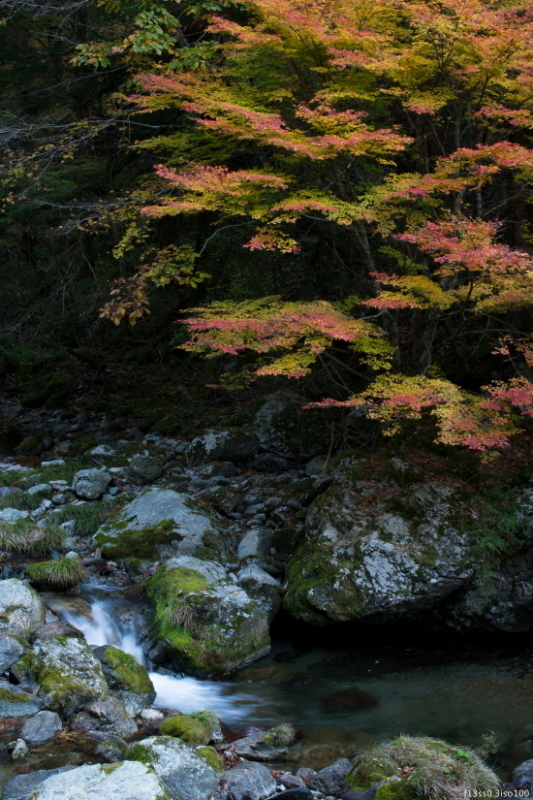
(91, 483)
(249, 781)
(12, 515)
(291, 781)
(55, 462)
(257, 542)
(19, 749)
(40, 728)
(144, 469)
(151, 714)
(10, 652)
(40, 487)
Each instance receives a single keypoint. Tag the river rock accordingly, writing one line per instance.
(222, 446)
(127, 679)
(22, 787)
(15, 702)
(90, 484)
(159, 524)
(262, 587)
(68, 674)
(206, 625)
(254, 748)
(128, 780)
(249, 781)
(182, 772)
(41, 728)
(330, 780)
(107, 715)
(10, 652)
(21, 609)
(379, 547)
(144, 469)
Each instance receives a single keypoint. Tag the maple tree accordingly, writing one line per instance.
(404, 128)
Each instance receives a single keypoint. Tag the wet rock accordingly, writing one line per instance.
(249, 781)
(41, 728)
(256, 543)
(162, 523)
(296, 793)
(126, 781)
(220, 628)
(22, 787)
(21, 609)
(18, 749)
(107, 715)
(144, 469)
(262, 587)
(127, 679)
(182, 772)
(330, 780)
(51, 630)
(10, 652)
(68, 674)
(90, 484)
(522, 776)
(222, 446)
(254, 748)
(15, 702)
(306, 774)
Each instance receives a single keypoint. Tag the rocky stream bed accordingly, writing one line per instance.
(142, 576)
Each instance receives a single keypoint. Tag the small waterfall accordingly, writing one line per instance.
(184, 694)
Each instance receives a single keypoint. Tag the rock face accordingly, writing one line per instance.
(127, 679)
(21, 609)
(206, 625)
(222, 446)
(68, 674)
(161, 523)
(127, 780)
(182, 772)
(379, 551)
(90, 484)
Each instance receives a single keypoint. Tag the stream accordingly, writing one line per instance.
(345, 696)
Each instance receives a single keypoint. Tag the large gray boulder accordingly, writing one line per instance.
(380, 546)
(67, 673)
(90, 484)
(21, 609)
(22, 787)
(205, 624)
(160, 524)
(233, 446)
(126, 780)
(182, 772)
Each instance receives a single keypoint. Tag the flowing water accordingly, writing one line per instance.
(343, 693)
(345, 697)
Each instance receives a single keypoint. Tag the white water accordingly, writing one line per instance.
(181, 693)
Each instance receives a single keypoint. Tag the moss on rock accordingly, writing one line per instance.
(129, 673)
(210, 755)
(196, 728)
(63, 573)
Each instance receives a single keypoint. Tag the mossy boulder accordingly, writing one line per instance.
(381, 544)
(160, 524)
(123, 780)
(196, 728)
(419, 768)
(67, 673)
(15, 702)
(205, 624)
(127, 679)
(212, 757)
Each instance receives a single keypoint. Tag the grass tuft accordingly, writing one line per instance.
(281, 736)
(25, 537)
(61, 574)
